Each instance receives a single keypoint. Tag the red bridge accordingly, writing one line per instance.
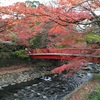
(92, 55)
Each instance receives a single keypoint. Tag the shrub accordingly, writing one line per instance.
(92, 38)
(36, 42)
(21, 54)
(95, 95)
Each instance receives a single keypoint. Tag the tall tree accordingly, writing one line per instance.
(59, 25)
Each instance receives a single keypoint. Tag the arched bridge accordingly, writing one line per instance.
(92, 55)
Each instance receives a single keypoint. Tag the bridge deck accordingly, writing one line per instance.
(66, 54)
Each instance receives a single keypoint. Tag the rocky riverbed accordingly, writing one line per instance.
(32, 85)
(19, 75)
(48, 87)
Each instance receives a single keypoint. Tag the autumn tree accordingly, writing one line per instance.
(66, 20)
(63, 19)
(66, 17)
(16, 28)
(61, 25)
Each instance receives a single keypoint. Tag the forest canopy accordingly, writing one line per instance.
(64, 24)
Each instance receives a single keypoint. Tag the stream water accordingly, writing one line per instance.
(51, 87)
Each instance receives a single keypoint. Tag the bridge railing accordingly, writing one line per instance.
(64, 50)
(65, 54)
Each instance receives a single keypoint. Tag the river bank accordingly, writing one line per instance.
(18, 74)
(48, 87)
(85, 90)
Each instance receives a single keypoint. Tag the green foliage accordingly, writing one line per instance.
(12, 55)
(96, 76)
(13, 36)
(7, 51)
(95, 95)
(36, 42)
(7, 48)
(33, 3)
(92, 38)
(60, 45)
(4, 55)
(21, 53)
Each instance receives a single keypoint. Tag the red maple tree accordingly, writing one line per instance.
(58, 24)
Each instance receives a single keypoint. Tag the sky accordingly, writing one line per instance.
(9, 2)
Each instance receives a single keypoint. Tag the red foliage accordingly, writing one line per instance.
(71, 67)
(59, 23)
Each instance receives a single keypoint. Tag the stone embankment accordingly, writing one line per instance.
(19, 76)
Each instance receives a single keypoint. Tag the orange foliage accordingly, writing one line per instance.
(59, 23)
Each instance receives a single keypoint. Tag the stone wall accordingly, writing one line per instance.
(18, 77)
